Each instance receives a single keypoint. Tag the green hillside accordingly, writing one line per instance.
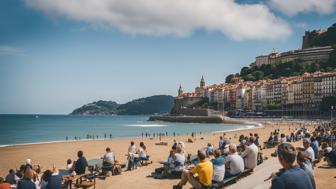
(149, 105)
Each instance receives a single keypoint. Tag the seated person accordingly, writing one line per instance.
(55, 180)
(209, 149)
(70, 167)
(306, 165)
(308, 150)
(330, 156)
(250, 154)
(291, 176)
(175, 164)
(45, 178)
(4, 185)
(132, 157)
(108, 159)
(233, 162)
(204, 170)
(81, 163)
(218, 167)
(10, 178)
(283, 138)
(315, 146)
(142, 152)
(26, 182)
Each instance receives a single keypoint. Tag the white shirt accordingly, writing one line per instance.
(235, 162)
(132, 149)
(181, 159)
(68, 166)
(283, 140)
(310, 153)
(250, 156)
(142, 152)
(109, 157)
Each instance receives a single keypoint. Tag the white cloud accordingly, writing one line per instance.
(293, 7)
(9, 50)
(171, 17)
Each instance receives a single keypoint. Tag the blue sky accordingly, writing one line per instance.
(58, 55)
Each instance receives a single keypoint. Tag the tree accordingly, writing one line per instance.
(249, 77)
(327, 102)
(259, 75)
(244, 71)
(230, 78)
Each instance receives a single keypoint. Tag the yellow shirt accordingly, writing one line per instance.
(204, 170)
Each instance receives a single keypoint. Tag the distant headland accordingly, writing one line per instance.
(157, 104)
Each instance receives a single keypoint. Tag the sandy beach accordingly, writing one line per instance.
(57, 153)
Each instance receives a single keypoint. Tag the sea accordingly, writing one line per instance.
(31, 129)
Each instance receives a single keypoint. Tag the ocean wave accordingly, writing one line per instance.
(146, 125)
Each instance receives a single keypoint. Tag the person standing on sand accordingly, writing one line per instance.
(291, 176)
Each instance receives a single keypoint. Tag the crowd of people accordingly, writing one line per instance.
(213, 164)
(30, 176)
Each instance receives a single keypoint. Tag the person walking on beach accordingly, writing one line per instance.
(291, 175)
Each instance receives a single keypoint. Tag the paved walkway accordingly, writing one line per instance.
(256, 180)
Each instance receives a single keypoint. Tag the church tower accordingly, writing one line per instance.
(202, 83)
(180, 91)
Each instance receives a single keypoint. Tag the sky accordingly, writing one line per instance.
(56, 55)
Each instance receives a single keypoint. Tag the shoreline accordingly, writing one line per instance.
(247, 126)
(56, 154)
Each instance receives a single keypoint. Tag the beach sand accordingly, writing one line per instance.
(56, 154)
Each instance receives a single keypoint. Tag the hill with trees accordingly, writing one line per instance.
(297, 67)
(149, 105)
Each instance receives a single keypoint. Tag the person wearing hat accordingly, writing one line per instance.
(308, 150)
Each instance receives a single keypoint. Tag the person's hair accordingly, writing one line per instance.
(324, 145)
(209, 144)
(80, 153)
(46, 175)
(28, 173)
(142, 144)
(232, 148)
(11, 171)
(217, 153)
(282, 135)
(132, 143)
(287, 152)
(301, 156)
(22, 168)
(201, 155)
(307, 135)
(178, 149)
(221, 137)
(108, 149)
(251, 140)
(69, 161)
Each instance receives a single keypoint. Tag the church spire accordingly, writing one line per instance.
(202, 83)
(180, 91)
